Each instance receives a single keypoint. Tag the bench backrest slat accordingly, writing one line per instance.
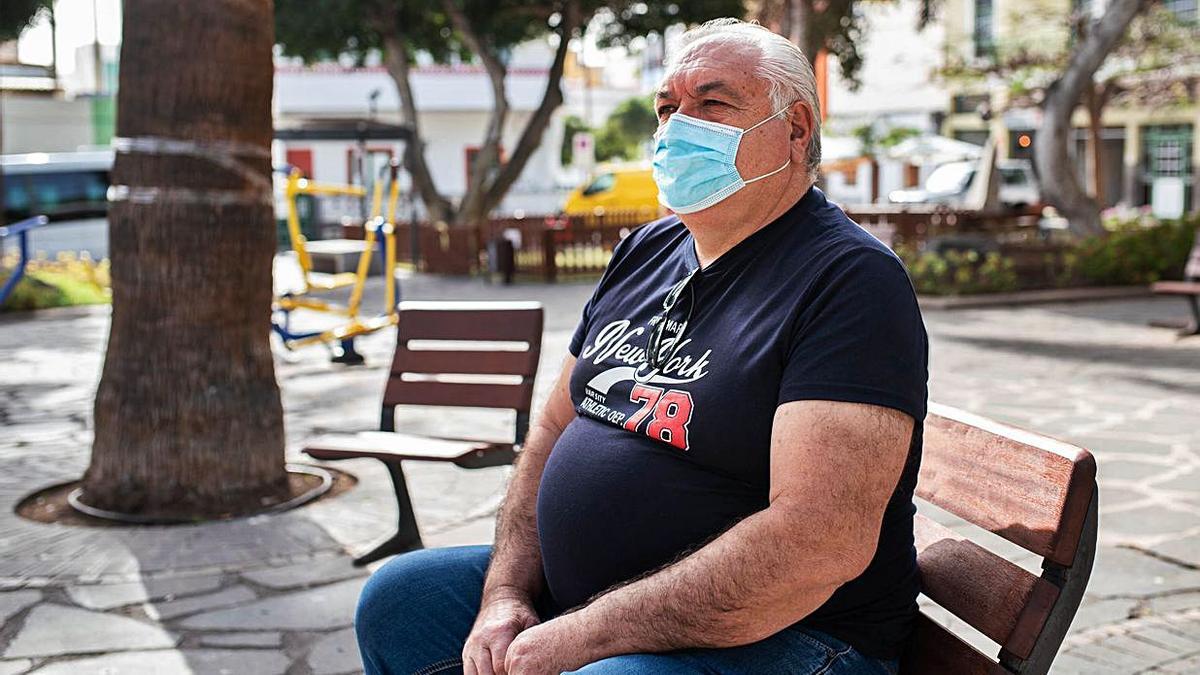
(1034, 491)
(996, 597)
(936, 651)
(1029, 489)
(417, 375)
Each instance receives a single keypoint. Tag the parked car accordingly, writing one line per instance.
(949, 184)
(615, 187)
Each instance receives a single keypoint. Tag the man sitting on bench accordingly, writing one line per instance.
(722, 478)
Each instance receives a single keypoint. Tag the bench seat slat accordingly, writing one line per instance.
(392, 446)
(502, 321)
(999, 599)
(1032, 490)
(460, 361)
(1177, 287)
(465, 394)
(936, 651)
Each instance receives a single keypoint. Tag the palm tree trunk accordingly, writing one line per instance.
(188, 416)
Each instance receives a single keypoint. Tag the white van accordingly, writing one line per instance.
(949, 183)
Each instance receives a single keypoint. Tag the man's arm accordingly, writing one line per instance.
(834, 467)
(514, 576)
(516, 566)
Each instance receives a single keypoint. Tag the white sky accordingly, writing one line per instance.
(76, 19)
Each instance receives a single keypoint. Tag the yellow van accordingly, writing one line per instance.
(616, 188)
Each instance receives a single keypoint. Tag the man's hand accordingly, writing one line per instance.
(548, 649)
(498, 624)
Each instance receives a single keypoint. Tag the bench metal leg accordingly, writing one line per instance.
(1185, 328)
(346, 354)
(408, 536)
(1193, 329)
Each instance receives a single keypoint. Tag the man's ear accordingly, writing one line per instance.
(802, 121)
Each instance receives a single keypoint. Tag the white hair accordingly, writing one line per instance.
(781, 64)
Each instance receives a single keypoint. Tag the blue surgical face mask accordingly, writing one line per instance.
(695, 162)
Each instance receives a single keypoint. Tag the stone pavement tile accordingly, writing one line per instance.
(263, 639)
(1125, 572)
(1186, 549)
(108, 596)
(15, 601)
(320, 608)
(1190, 665)
(1093, 612)
(1112, 497)
(1124, 652)
(1145, 520)
(1130, 470)
(322, 571)
(176, 662)
(14, 667)
(477, 531)
(1100, 443)
(1069, 663)
(335, 654)
(54, 630)
(234, 595)
(1175, 602)
(1173, 641)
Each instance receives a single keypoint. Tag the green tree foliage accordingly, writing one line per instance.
(482, 31)
(572, 125)
(872, 142)
(17, 15)
(837, 26)
(626, 130)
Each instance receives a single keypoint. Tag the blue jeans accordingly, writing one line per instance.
(415, 614)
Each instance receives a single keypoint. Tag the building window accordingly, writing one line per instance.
(969, 103)
(1167, 154)
(984, 33)
(1185, 10)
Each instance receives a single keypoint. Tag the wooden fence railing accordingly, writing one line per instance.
(551, 248)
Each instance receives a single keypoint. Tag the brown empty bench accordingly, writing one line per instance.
(429, 374)
(1189, 289)
(1034, 491)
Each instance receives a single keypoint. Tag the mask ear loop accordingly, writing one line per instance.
(752, 128)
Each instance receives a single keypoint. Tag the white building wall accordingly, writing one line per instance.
(39, 123)
(897, 72)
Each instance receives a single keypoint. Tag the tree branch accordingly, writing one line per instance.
(488, 158)
(398, 66)
(1058, 182)
(531, 135)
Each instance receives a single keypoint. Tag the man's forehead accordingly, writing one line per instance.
(714, 67)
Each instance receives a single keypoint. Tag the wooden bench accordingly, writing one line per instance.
(458, 376)
(1034, 491)
(1189, 289)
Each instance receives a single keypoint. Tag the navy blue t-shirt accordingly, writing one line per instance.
(657, 463)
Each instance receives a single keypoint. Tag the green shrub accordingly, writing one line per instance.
(1136, 252)
(959, 272)
(60, 283)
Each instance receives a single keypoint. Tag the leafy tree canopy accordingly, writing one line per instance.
(17, 15)
(324, 29)
(626, 130)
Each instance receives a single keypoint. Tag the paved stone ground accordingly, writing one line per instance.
(276, 595)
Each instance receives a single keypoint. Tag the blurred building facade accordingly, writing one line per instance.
(897, 90)
(453, 105)
(1149, 156)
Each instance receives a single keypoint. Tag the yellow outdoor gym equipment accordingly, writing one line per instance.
(375, 228)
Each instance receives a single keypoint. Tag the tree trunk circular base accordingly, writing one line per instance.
(62, 503)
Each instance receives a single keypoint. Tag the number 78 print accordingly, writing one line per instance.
(669, 411)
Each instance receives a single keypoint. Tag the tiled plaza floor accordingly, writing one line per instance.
(275, 595)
